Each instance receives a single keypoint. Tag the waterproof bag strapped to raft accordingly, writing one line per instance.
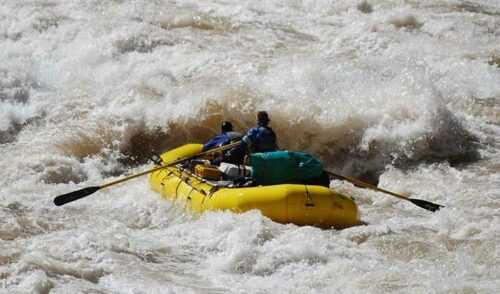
(279, 167)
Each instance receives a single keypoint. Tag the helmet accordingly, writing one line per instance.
(226, 126)
(262, 117)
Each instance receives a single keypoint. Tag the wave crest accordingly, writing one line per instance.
(355, 146)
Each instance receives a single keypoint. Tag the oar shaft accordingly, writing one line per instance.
(75, 195)
(132, 176)
(370, 186)
(419, 202)
(222, 148)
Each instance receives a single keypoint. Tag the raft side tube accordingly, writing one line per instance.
(285, 203)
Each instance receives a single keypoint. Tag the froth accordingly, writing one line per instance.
(15, 110)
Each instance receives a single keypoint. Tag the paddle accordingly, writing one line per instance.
(78, 194)
(418, 202)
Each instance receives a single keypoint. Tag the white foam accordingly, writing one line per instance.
(385, 91)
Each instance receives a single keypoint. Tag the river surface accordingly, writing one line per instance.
(403, 93)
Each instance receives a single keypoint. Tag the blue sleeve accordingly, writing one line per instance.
(250, 136)
(249, 139)
(216, 141)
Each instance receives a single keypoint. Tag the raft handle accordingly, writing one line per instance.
(309, 200)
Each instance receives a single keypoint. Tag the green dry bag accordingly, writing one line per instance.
(280, 167)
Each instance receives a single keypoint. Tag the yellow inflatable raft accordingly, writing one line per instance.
(286, 203)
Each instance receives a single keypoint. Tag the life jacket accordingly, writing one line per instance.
(234, 136)
(221, 140)
(265, 140)
(217, 141)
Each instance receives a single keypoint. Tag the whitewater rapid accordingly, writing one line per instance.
(403, 93)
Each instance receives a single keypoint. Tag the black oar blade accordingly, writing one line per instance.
(426, 204)
(75, 195)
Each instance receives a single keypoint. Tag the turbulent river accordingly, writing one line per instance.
(403, 93)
